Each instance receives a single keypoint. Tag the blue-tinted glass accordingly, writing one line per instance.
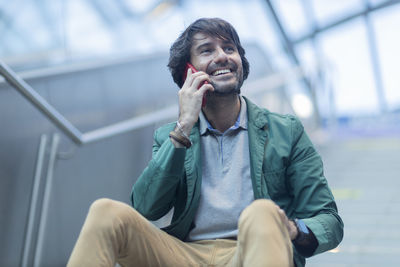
(306, 55)
(318, 75)
(86, 32)
(327, 11)
(140, 5)
(32, 30)
(346, 52)
(292, 16)
(85, 28)
(386, 23)
(377, 2)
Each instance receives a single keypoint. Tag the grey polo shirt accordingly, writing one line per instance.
(226, 184)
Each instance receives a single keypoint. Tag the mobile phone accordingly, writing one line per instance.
(188, 65)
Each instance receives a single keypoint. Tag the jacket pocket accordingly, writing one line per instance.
(276, 183)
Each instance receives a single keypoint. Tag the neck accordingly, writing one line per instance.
(222, 110)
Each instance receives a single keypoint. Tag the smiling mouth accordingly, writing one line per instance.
(221, 72)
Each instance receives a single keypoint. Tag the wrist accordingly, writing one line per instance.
(184, 127)
(305, 242)
(186, 124)
(180, 137)
(302, 231)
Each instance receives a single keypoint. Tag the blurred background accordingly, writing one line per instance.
(84, 84)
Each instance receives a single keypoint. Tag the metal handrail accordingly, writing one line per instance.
(38, 101)
(67, 127)
(130, 124)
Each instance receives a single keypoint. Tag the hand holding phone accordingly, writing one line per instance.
(188, 65)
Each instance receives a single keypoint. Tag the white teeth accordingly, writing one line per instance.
(218, 72)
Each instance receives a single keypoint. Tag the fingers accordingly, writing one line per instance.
(284, 218)
(195, 80)
(292, 230)
(191, 96)
(205, 87)
(196, 85)
(187, 78)
(281, 213)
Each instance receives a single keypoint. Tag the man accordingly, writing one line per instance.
(246, 185)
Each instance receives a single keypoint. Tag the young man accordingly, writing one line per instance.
(246, 185)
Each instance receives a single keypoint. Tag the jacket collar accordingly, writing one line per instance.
(258, 140)
(256, 115)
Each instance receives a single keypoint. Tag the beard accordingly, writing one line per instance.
(222, 89)
(225, 90)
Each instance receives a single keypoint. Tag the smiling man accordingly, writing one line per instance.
(246, 185)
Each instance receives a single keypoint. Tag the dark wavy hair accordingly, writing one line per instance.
(179, 52)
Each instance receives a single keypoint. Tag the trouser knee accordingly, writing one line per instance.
(263, 236)
(259, 208)
(106, 212)
(257, 215)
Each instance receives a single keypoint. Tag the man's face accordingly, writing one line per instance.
(220, 59)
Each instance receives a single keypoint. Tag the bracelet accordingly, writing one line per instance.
(181, 130)
(180, 139)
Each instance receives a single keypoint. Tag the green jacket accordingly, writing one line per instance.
(285, 167)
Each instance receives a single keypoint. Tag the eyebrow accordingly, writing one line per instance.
(225, 42)
(202, 46)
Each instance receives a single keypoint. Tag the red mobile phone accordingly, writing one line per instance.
(188, 65)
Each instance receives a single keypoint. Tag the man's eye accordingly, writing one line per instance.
(205, 51)
(230, 49)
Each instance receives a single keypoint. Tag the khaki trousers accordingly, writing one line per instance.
(115, 232)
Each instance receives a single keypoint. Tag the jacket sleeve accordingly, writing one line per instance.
(153, 194)
(315, 202)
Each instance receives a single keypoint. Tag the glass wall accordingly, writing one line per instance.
(348, 50)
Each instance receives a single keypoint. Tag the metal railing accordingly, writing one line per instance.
(68, 128)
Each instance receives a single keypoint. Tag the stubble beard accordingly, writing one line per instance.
(233, 89)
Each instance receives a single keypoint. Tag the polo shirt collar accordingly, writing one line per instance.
(241, 121)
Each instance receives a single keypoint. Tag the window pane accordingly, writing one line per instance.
(318, 76)
(346, 52)
(387, 23)
(86, 32)
(291, 14)
(18, 39)
(327, 11)
(377, 2)
(140, 5)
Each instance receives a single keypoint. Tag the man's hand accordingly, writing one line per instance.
(190, 98)
(292, 229)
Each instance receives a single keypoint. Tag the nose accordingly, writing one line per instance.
(221, 56)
